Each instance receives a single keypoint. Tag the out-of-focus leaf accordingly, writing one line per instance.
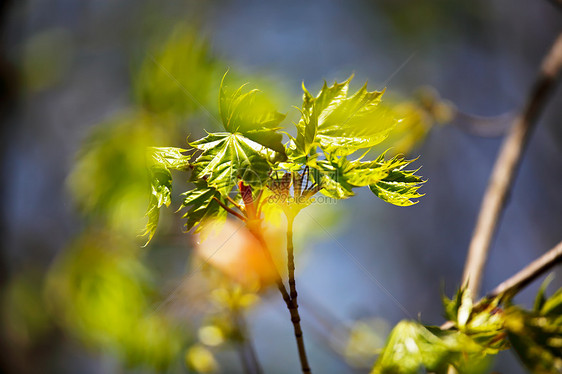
(252, 115)
(553, 305)
(536, 338)
(22, 317)
(540, 299)
(176, 78)
(201, 359)
(228, 158)
(110, 181)
(99, 289)
(361, 342)
(414, 348)
(202, 205)
(418, 115)
(341, 124)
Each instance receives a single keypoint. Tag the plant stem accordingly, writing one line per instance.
(231, 211)
(506, 167)
(248, 354)
(530, 272)
(293, 305)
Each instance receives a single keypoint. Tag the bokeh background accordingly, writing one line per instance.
(87, 85)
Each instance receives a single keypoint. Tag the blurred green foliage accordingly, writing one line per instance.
(536, 336)
(23, 314)
(110, 181)
(176, 77)
(100, 290)
(418, 114)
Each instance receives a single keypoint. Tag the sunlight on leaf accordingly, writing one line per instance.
(227, 158)
(252, 115)
(341, 124)
(412, 347)
(162, 160)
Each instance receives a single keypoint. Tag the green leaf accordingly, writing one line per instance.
(413, 348)
(536, 338)
(400, 187)
(451, 306)
(227, 158)
(553, 305)
(252, 115)
(482, 321)
(338, 175)
(202, 205)
(170, 158)
(341, 124)
(332, 177)
(161, 161)
(176, 77)
(161, 194)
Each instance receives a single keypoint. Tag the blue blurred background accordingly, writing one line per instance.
(77, 75)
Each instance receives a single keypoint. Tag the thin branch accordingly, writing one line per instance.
(289, 302)
(291, 260)
(234, 203)
(231, 211)
(523, 278)
(530, 272)
(247, 351)
(506, 167)
(294, 308)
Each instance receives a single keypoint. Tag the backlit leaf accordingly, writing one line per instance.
(252, 115)
(341, 124)
(202, 205)
(400, 187)
(228, 158)
(413, 348)
(387, 178)
(161, 161)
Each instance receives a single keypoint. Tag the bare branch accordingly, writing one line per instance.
(506, 167)
(530, 272)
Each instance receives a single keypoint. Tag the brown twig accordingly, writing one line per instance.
(289, 302)
(234, 203)
(294, 309)
(529, 273)
(506, 167)
(231, 211)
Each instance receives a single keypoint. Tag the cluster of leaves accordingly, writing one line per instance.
(536, 336)
(234, 167)
(477, 332)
